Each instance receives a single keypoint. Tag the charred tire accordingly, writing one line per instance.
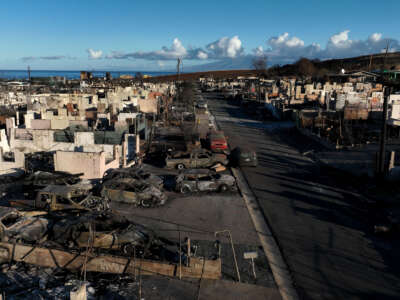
(223, 188)
(180, 166)
(148, 202)
(128, 249)
(185, 189)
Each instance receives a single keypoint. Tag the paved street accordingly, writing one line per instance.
(317, 222)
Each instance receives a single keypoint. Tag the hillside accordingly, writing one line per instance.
(366, 63)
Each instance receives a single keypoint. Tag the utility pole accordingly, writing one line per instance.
(28, 102)
(386, 53)
(382, 148)
(178, 67)
(370, 63)
(178, 77)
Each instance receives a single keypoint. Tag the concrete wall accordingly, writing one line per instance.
(3, 141)
(8, 166)
(40, 124)
(59, 124)
(28, 141)
(92, 164)
(83, 124)
(148, 105)
(84, 138)
(80, 162)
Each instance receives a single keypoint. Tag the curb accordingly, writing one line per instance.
(278, 266)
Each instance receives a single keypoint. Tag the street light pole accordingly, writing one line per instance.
(233, 250)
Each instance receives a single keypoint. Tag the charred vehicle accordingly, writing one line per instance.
(201, 180)
(61, 197)
(132, 191)
(41, 179)
(195, 159)
(22, 226)
(241, 157)
(133, 173)
(110, 232)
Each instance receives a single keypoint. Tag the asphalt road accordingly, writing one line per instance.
(199, 216)
(317, 221)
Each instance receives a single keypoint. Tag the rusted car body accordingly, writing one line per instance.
(61, 197)
(19, 226)
(107, 231)
(131, 191)
(196, 159)
(203, 180)
(133, 173)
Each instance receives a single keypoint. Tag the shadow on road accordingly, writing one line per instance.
(320, 221)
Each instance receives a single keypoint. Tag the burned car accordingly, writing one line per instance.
(201, 180)
(42, 178)
(22, 226)
(131, 191)
(241, 157)
(61, 197)
(111, 232)
(196, 159)
(133, 173)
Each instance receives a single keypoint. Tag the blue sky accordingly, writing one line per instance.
(131, 34)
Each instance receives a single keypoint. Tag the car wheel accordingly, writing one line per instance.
(185, 189)
(223, 188)
(148, 202)
(128, 249)
(180, 166)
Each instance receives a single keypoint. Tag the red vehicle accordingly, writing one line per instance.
(217, 142)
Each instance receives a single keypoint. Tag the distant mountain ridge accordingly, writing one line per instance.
(392, 61)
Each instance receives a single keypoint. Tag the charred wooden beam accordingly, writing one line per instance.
(54, 258)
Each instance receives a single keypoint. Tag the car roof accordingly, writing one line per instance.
(63, 190)
(4, 211)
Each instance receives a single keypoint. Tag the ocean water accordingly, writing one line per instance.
(23, 74)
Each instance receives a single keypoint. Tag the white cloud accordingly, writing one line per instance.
(287, 49)
(259, 51)
(202, 55)
(295, 42)
(281, 49)
(283, 40)
(340, 39)
(375, 37)
(94, 54)
(177, 50)
(225, 47)
(50, 57)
